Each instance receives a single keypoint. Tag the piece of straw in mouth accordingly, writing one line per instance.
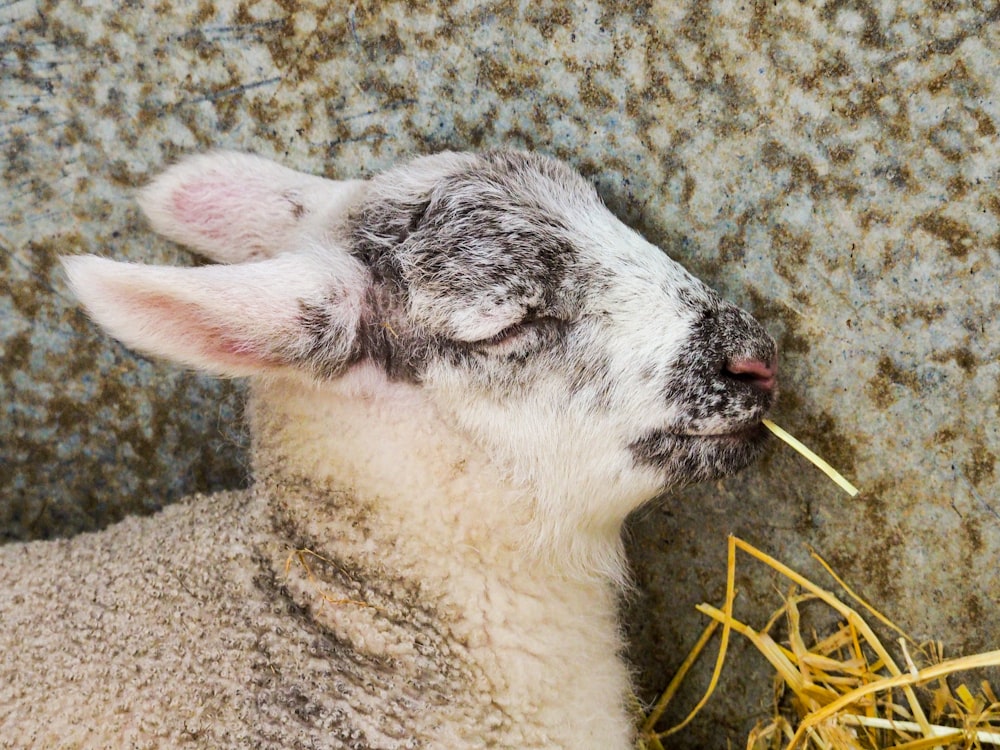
(818, 462)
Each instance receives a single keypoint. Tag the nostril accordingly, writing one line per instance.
(758, 373)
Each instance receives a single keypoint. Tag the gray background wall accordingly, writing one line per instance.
(831, 166)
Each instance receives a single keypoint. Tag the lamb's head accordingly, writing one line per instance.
(504, 286)
(591, 367)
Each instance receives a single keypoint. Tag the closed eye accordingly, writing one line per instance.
(541, 327)
(507, 334)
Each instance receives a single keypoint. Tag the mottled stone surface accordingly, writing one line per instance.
(831, 166)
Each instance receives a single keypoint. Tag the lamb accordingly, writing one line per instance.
(465, 373)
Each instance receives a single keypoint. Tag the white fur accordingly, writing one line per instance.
(430, 555)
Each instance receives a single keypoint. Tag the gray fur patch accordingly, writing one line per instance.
(486, 235)
(392, 597)
(295, 714)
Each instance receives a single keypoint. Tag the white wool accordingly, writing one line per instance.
(464, 375)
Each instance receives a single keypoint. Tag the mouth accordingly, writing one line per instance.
(687, 457)
(754, 431)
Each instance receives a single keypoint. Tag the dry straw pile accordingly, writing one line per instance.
(844, 690)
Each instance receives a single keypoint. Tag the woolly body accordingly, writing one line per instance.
(465, 373)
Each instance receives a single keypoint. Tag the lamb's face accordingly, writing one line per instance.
(578, 356)
(504, 287)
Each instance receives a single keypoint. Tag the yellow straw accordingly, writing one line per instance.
(820, 464)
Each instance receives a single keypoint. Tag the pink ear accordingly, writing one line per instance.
(237, 207)
(186, 333)
(230, 320)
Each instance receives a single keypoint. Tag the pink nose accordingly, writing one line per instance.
(763, 375)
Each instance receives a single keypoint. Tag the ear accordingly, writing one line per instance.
(230, 320)
(235, 207)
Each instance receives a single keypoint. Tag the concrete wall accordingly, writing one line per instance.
(833, 167)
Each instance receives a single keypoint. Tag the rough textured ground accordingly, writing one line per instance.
(832, 166)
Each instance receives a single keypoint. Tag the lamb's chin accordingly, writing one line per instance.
(687, 459)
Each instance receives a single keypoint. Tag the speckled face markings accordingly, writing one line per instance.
(721, 333)
(714, 428)
(687, 459)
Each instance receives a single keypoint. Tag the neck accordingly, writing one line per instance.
(384, 518)
(385, 465)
